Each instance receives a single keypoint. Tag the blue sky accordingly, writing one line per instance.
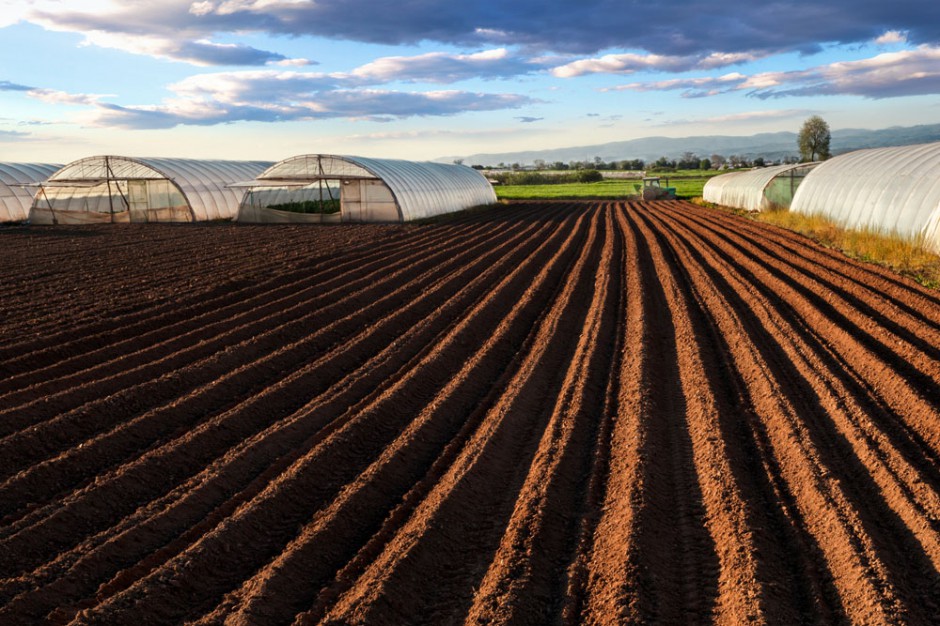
(420, 79)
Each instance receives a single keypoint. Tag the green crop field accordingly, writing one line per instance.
(688, 184)
(602, 189)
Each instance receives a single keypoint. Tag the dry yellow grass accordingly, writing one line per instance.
(909, 258)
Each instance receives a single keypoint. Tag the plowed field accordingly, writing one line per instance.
(555, 413)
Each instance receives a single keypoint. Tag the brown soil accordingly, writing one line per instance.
(556, 413)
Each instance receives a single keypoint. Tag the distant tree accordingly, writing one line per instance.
(717, 161)
(663, 163)
(688, 161)
(559, 165)
(628, 164)
(589, 176)
(458, 161)
(759, 162)
(705, 164)
(539, 164)
(814, 139)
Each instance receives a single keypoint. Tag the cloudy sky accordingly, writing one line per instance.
(421, 79)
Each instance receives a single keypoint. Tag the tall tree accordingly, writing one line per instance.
(814, 139)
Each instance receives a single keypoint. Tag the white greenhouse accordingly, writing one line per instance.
(17, 186)
(887, 190)
(123, 189)
(330, 188)
(758, 189)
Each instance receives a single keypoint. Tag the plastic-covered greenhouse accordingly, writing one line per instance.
(888, 190)
(123, 189)
(15, 198)
(331, 188)
(758, 189)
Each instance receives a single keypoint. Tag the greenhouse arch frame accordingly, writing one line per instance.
(892, 191)
(369, 190)
(122, 189)
(18, 184)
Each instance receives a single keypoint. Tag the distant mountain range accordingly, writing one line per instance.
(771, 146)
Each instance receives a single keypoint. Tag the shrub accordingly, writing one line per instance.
(590, 176)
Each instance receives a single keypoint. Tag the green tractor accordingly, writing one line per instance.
(656, 188)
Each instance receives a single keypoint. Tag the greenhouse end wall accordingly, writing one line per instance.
(760, 189)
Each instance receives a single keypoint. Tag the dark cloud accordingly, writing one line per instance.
(6, 85)
(673, 27)
(525, 119)
(667, 27)
(218, 54)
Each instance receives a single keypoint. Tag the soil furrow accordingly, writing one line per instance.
(551, 412)
(913, 507)
(526, 579)
(332, 462)
(107, 445)
(258, 320)
(280, 442)
(920, 326)
(463, 500)
(825, 505)
(70, 428)
(709, 411)
(125, 337)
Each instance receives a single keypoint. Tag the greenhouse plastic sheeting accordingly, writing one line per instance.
(888, 190)
(15, 200)
(418, 189)
(111, 188)
(748, 190)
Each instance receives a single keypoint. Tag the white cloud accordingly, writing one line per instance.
(887, 75)
(630, 63)
(293, 62)
(706, 85)
(52, 96)
(891, 37)
(440, 67)
(169, 29)
(276, 95)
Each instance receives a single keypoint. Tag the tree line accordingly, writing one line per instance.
(813, 143)
(688, 161)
